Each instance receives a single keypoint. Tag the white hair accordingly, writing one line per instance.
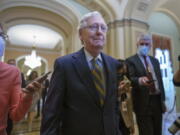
(145, 36)
(83, 21)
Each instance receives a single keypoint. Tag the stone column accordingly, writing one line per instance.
(116, 40)
(119, 38)
(109, 47)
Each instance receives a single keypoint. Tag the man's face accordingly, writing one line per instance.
(144, 42)
(94, 35)
(143, 47)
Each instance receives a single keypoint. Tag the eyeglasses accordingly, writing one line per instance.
(146, 44)
(95, 27)
(3, 35)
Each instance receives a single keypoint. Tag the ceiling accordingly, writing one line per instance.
(56, 20)
(28, 35)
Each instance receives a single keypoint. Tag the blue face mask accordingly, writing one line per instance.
(143, 50)
(2, 46)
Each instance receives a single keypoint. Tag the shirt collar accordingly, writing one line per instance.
(141, 56)
(89, 57)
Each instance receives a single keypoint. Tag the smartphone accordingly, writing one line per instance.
(43, 77)
(150, 81)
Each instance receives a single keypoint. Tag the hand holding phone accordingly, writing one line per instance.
(150, 81)
(43, 77)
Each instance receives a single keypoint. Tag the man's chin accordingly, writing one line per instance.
(99, 46)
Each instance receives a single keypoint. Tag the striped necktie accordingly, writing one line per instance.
(98, 78)
(149, 76)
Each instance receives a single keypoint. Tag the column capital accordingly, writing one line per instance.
(128, 22)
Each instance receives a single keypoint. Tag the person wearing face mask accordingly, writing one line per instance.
(148, 91)
(14, 100)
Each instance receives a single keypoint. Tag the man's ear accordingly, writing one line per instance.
(80, 34)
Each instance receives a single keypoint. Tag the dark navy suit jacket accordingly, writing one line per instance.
(72, 106)
(141, 93)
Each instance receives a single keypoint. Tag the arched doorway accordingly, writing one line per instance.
(27, 70)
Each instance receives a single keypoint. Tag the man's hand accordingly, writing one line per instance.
(144, 81)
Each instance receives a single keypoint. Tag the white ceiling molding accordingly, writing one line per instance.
(62, 9)
(122, 8)
(143, 9)
(161, 2)
(59, 8)
(139, 9)
(142, 6)
(23, 15)
(102, 6)
(76, 6)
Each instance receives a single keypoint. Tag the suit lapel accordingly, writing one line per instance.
(153, 62)
(109, 75)
(139, 63)
(82, 68)
(155, 67)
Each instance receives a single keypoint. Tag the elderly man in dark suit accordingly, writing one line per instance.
(148, 91)
(81, 99)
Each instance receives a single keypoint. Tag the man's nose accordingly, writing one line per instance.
(99, 29)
